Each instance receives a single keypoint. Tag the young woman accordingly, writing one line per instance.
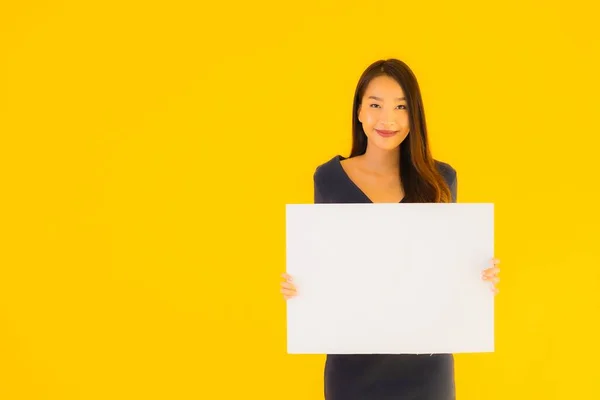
(390, 162)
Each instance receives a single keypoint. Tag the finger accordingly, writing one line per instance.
(288, 285)
(288, 288)
(490, 277)
(495, 290)
(287, 292)
(493, 274)
(491, 271)
(286, 276)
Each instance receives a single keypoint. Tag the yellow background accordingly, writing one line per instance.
(148, 149)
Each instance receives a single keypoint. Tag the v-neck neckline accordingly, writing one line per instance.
(339, 160)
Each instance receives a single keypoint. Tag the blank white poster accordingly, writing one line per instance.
(390, 278)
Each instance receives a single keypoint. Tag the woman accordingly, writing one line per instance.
(390, 162)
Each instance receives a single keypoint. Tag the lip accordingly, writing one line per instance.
(386, 133)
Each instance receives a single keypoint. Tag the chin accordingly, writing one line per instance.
(385, 144)
(389, 143)
(389, 148)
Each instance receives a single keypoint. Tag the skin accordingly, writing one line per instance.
(383, 108)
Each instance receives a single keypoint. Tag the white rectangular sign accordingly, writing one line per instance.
(390, 278)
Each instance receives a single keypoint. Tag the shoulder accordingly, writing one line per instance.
(328, 170)
(447, 171)
(328, 182)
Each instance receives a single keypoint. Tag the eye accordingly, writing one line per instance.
(378, 106)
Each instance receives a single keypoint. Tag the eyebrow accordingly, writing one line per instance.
(380, 99)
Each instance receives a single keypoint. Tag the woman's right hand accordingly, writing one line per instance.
(288, 289)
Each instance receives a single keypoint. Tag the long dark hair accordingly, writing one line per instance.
(420, 177)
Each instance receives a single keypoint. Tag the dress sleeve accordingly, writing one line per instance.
(318, 196)
(453, 186)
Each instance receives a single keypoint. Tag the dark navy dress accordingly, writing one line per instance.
(381, 376)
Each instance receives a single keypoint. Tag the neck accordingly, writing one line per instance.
(381, 161)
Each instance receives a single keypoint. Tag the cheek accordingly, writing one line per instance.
(403, 121)
(369, 118)
(372, 118)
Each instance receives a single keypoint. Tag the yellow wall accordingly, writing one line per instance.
(147, 152)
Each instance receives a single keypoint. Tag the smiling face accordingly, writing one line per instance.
(383, 113)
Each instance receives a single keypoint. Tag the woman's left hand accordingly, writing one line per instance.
(491, 275)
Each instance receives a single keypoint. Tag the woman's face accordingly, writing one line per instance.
(383, 113)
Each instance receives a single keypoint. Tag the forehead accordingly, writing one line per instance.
(384, 87)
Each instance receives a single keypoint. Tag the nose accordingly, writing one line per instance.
(388, 120)
(388, 123)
